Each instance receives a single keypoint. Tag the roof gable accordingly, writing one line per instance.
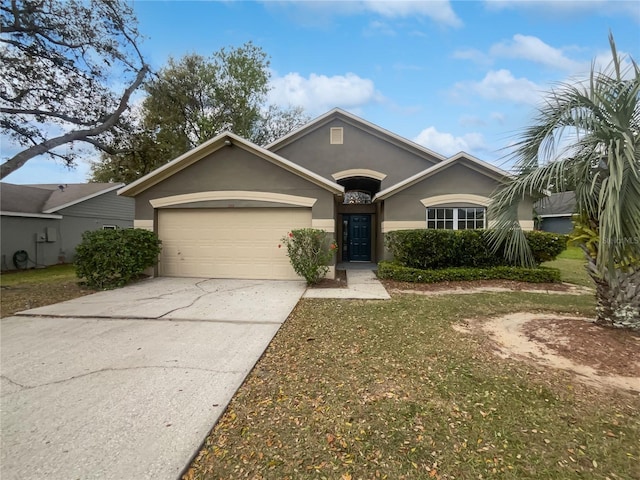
(469, 161)
(361, 124)
(224, 140)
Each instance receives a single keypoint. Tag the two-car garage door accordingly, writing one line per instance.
(228, 242)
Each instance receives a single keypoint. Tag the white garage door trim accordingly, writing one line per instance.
(233, 195)
(228, 242)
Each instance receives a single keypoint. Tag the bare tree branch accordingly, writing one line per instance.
(59, 58)
(21, 158)
(61, 116)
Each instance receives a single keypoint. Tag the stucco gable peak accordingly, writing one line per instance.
(358, 122)
(224, 139)
(461, 156)
(477, 165)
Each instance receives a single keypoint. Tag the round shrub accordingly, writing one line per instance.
(112, 258)
(309, 253)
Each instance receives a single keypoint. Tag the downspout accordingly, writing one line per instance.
(156, 269)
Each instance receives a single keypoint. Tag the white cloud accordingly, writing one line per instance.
(498, 117)
(531, 48)
(603, 62)
(523, 47)
(564, 8)
(503, 86)
(319, 93)
(379, 28)
(314, 12)
(448, 144)
(474, 55)
(408, 67)
(471, 121)
(438, 10)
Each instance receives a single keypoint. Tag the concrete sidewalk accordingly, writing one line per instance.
(87, 394)
(361, 285)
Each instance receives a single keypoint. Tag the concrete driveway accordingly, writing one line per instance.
(126, 384)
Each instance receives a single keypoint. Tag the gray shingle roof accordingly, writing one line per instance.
(72, 192)
(47, 198)
(563, 203)
(22, 198)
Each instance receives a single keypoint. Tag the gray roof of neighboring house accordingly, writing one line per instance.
(556, 204)
(22, 198)
(49, 198)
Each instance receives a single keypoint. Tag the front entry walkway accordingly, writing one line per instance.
(361, 284)
(356, 266)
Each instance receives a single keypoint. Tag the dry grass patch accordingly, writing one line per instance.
(27, 289)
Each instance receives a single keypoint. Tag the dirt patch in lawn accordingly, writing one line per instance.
(478, 286)
(339, 282)
(607, 350)
(16, 298)
(598, 356)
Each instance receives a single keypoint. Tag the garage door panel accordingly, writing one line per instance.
(228, 243)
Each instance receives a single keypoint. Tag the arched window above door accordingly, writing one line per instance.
(359, 190)
(356, 197)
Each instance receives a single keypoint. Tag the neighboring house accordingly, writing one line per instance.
(222, 208)
(555, 211)
(47, 221)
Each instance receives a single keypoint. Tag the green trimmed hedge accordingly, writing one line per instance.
(432, 249)
(112, 258)
(546, 246)
(395, 271)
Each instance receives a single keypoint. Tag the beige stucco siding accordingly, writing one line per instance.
(234, 169)
(361, 149)
(458, 179)
(525, 213)
(405, 209)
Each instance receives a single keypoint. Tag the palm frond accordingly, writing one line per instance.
(586, 138)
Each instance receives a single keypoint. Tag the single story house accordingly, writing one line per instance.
(222, 208)
(555, 212)
(42, 224)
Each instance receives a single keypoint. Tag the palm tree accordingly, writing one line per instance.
(586, 138)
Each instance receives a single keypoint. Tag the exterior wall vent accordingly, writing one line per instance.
(336, 136)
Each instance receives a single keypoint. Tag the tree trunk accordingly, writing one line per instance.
(617, 297)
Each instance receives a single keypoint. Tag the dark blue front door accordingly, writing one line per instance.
(359, 237)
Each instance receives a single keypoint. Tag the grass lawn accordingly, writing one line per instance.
(571, 264)
(574, 253)
(38, 287)
(388, 389)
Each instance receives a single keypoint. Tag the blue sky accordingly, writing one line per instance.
(451, 76)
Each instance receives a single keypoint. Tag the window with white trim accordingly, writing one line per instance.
(456, 218)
